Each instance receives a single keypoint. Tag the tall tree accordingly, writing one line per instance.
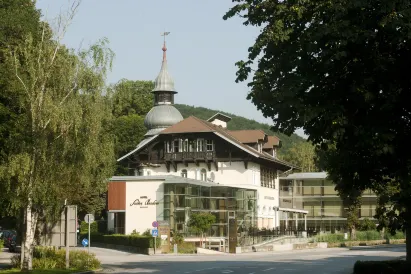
(336, 69)
(64, 146)
(131, 100)
(302, 155)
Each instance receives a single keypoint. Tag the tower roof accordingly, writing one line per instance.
(164, 81)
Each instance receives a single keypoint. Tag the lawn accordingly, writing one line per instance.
(38, 271)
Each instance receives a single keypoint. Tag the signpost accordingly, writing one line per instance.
(84, 242)
(89, 218)
(154, 233)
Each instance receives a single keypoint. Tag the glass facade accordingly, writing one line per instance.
(326, 210)
(181, 199)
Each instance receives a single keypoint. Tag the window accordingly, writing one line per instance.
(192, 145)
(176, 145)
(184, 173)
(209, 145)
(185, 145)
(169, 146)
(200, 145)
(203, 175)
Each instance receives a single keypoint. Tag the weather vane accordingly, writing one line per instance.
(165, 33)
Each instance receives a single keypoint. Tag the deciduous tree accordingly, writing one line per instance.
(201, 222)
(63, 148)
(336, 69)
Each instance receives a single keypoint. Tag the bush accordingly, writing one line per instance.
(330, 238)
(371, 235)
(397, 235)
(1, 245)
(126, 240)
(367, 224)
(84, 227)
(386, 267)
(52, 258)
(186, 248)
(178, 239)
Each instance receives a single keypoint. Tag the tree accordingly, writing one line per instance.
(335, 69)
(301, 155)
(131, 100)
(201, 223)
(63, 147)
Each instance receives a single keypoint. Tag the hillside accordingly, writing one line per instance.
(239, 122)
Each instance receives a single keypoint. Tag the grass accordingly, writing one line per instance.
(39, 271)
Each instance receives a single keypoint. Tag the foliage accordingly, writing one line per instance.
(135, 233)
(335, 69)
(178, 238)
(131, 101)
(370, 235)
(51, 258)
(201, 222)
(84, 227)
(367, 224)
(126, 240)
(302, 155)
(239, 122)
(186, 248)
(389, 267)
(61, 149)
(147, 233)
(1, 245)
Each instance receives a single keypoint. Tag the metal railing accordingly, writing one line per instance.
(296, 191)
(189, 155)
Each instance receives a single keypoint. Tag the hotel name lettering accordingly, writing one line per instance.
(144, 202)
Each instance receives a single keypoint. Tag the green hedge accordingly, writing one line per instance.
(84, 227)
(386, 267)
(1, 245)
(126, 240)
(371, 235)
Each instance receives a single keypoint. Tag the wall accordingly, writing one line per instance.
(141, 217)
(233, 174)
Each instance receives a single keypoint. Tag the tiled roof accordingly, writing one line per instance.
(272, 141)
(194, 124)
(219, 116)
(249, 136)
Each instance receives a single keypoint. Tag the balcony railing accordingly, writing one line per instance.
(190, 155)
(288, 191)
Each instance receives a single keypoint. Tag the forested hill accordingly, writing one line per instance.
(239, 122)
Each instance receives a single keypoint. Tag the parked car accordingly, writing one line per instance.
(15, 244)
(7, 237)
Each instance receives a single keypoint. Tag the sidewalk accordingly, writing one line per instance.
(5, 256)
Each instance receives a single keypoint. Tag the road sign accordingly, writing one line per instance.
(84, 242)
(155, 224)
(89, 218)
(154, 232)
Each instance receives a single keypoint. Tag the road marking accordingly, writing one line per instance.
(226, 271)
(268, 269)
(252, 273)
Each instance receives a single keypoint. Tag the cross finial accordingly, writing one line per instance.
(165, 33)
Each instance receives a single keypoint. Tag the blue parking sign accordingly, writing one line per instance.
(84, 242)
(154, 232)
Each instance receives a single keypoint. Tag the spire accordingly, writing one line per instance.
(164, 81)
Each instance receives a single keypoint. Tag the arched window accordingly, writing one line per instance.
(184, 173)
(203, 175)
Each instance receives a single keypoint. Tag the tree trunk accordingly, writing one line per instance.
(353, 234)
(27, 246)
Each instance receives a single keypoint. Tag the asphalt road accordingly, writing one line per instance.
(321, 261)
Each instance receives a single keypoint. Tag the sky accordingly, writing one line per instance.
(202, 47)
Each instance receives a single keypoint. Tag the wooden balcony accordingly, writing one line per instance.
(190, 156)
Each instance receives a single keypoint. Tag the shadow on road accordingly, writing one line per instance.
(267, 263)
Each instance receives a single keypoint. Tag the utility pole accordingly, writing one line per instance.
(67, 234)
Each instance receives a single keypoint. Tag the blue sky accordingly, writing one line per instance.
(202, 47)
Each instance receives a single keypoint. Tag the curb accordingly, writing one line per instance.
(375, 246)
(89, 271)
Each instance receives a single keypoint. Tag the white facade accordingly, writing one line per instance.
(232, 174)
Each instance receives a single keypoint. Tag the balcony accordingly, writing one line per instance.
(190, 156)
(314, 191)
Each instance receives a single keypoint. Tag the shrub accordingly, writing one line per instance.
(52, 258)
(126, 240)
(1, 245)
(186, 248)
(397, 235)
(367, 224)
(84, 227)
(330, 238)
(178, 239)
(371, 235)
